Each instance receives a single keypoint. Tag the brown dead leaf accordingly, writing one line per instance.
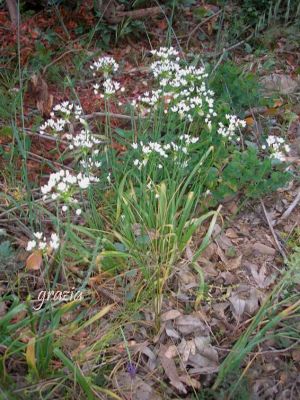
(187, 324)
(185, 348)
(263, 249)
(234, 263)
(169, 367)
(231, 233)
(244, 302)
(38, 90)
(169, 315)
(296, 355)
(34, 261)
(135, 388)
(281, 83)
(263, 281)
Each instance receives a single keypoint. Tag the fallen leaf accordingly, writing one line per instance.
(261, 278)
(243, 302)
(34, 261)
(169, 315)
(249, 121)
(281, 83)
(234, 263)
(264, 249)
(169, 367)
(134, 388)
(185, 348)
(296, 355)
(187, 324)
(231, 233)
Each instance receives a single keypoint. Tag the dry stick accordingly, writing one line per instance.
(224, 51)
(199, 26)
(59, 58)
(13, 12)
(255, 110)
(45, 136)
(279, 247)
(112, 115)
(290, 208)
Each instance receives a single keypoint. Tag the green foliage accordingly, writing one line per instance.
(247, 173)
(254, 16)
(235, 89)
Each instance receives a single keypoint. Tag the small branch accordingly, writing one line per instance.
(112, 115)
(117, 16)
(255, 110)
(279, 247)
(287, 213)
(199, 26)
(13, 12)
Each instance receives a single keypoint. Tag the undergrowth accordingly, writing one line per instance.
(124, 205)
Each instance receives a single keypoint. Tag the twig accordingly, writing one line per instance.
(255, 110)
(112, 115)
(290, 208)
(279, 247)
(59, 58)
(199, 26)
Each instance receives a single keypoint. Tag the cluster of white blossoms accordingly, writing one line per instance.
(53, 126)
(189, 139)
(40, 242)
(107, 65)
(163, 150)
(165, 52)
(57, 123)
(277, 147)
(233, 125)
(182, 89)
(85, 141)
(62, 185)
(66, 109)
(90, 163)
(110, 87)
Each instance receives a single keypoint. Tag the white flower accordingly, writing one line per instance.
(110, 87)
(84, 182)
(54, 242)
(277, 147)
(38, 235)
(78, 211)
(31, 245)
(105, 64)
(42, 245)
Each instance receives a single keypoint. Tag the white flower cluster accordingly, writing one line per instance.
(108, 66)
(85, 140)
(277, 147)
(189, 139)
(53, 125)
(182, 89)
(90, 164)
(66, 111)
(105, 64)
(63, 185)
(110, 87)
(162, 150)
(40, 242)
(230, 130)
(165, 52)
